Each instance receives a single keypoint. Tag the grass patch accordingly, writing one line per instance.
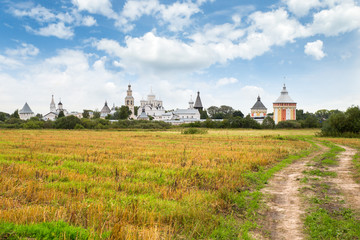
(47, 230)
(327, 217)
(320, 173)
(194, 131)
(341, 224)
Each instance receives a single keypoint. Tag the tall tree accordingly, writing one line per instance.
(15, 114)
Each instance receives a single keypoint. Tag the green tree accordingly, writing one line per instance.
(15, 115)
(311, 122)
(212, 111)
(122, 113)
(203, 114)
(136, 109)
(4, 116)
(226, 111)
(268, 123)
(96, 115)
(68, 122)
(61, 114)
(86, 114)
(237, 113)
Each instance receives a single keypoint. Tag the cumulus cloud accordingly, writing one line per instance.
(315, 49)
(88, 21)
(301, 7)
(69, 75)
(226, 81)
(39, 13)
(176, 16)
(339, 19)
(57, 24)
(159, 54)
(58, 30)
(8, 62)
(103, 7)
(24, 51)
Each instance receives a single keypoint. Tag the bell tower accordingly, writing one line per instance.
(129, 101)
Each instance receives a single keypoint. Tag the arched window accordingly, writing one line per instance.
(127, 102)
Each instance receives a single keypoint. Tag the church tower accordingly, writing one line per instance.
(284, 107)
(52, 105)
(258, 111)
(129, 101)
(198, 103)
(191, 103)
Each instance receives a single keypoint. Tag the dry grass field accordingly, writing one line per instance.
(135, 184)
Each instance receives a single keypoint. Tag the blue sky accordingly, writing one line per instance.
(87, 51)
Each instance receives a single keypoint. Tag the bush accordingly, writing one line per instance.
(343, 124)
(288, 124)
(194, 131)
(79, 126)
(68, 122)
(268, 123)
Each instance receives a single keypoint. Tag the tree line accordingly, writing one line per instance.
(332, 122)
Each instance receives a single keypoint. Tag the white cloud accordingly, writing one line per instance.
(218, 33)
(339, 19)
(159, 54)
(88, 21)
(39, 13)
(58, 30)
(103, 7)
(315, 49)
(178, 15)
(69, 75)
(6, 63)
(24, 51)
(301, 7)
(226, 81)
(58, 24)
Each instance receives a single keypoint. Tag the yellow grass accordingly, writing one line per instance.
(146, 185)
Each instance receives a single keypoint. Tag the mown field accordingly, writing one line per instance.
(133, 184)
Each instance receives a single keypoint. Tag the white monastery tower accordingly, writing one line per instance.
(129, 101)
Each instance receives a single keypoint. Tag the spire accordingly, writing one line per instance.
(284, 97)
(198, 105)
(259, 105)
(191, 103)
(52, 104)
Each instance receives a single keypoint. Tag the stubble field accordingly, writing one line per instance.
(134, 184)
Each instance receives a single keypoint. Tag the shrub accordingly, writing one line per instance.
(68, 122)
(194, 131)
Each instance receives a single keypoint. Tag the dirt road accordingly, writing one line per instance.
(284, 216)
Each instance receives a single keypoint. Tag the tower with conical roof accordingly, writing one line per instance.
(129, 101)
(258, 111)
(284, 107)
(198, 105)
(105, 110)
(26, 113)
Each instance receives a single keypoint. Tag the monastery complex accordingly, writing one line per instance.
(153, 109)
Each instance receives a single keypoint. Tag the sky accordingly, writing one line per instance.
(86, 52)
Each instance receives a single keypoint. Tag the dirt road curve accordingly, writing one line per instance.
(284, 216)
(283, 219)
(345, 181)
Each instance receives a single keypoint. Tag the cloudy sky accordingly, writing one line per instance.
(87, 51)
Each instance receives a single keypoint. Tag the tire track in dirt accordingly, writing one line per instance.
(283, 218)
(344, 180)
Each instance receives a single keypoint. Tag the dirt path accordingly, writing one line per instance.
(345, 181)
(283, 218)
